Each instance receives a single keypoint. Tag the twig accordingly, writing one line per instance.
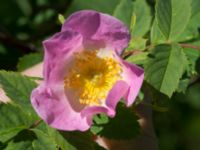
(190, 46)
(194, 80)
(8, 40)
(35, 124)
(127, 54)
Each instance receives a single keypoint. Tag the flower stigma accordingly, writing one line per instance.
(92, 76)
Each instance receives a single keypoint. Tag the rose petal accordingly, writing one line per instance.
(3, 97)
(98, 30)
(34, 71)
(50, 100)
(134, 76)
(118, 91)
(54, 108)
(58, 54)
(84, 30)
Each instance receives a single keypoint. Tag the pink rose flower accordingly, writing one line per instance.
(83, 72)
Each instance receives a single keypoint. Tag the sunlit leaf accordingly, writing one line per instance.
(172, 17)
(165, 67)
(13, 120)
(143, 18)
(18, 88)
(123, 11)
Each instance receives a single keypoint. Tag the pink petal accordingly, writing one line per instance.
(54, 108)
(50, 100)
(3, 97)
(59, 51)
(98, 30)
(117, 92)
(34, 71)
(83, 30)
(134, 76)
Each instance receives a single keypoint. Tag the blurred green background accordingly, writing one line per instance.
(25, 23)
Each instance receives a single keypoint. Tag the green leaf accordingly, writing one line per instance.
(133, 21)
(18, 88)
(43, 141)
(61, 19)
(123, 126)
(44, 137)
(59, 139)
(143, 18)
(172, 16)
(33, 139)
(138, 59)
(98, 5)
(193, 57)
(156, 35)
(137, 44)
(165, 67)
(69, 140)
(123, 11)
(29, 60)
(183, 84)
(100, 120)
(195, 6)
(96, 129)
(80, 140)
(192, 29)
(192, 54)
(13, 120)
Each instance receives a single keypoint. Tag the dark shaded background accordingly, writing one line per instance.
(25, 23)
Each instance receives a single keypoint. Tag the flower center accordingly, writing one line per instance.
(92, 77)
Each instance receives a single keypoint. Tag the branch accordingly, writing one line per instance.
(127, 54)
(193, 81)
(8, 40)
(190, 46)
(35, 124)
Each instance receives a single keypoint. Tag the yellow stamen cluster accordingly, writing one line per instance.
(92, 76)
